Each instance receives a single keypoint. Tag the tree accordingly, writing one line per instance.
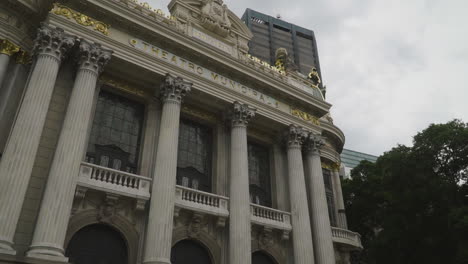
(411, 206)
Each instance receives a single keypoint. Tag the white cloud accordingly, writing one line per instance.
(391, 67)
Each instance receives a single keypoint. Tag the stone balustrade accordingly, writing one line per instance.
(199, 201)
(271, 218)
(346, 237)
(114, 181)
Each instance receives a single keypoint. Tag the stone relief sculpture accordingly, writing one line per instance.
(215, 18)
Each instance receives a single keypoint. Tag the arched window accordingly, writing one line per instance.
(189, 252)
(329, 193)
(194, 156)
(259, 257)
(116, 133)
(259, 174)
(97, 244)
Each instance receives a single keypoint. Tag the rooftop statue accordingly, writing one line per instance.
(284, 62)
(215, 17)
(314, 76)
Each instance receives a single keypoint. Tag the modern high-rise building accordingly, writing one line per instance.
(270, 34)
(131, 136)
(351, 158)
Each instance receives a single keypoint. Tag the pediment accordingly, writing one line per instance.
(214, 17)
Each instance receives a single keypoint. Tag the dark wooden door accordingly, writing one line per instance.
(189, 252)
(97, 244)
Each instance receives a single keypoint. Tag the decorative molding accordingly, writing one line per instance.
(122, 86)
(80, 18)
(331, 166)
(214, 17)
(8, 48)
(305, 116)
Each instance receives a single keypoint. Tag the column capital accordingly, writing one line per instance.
(93, 57)
(314, 143)
(295, 136)
(53, 41)
(8, 48)
(241, 114)
(174, 88)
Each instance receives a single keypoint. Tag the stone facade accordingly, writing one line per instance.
(58, 66)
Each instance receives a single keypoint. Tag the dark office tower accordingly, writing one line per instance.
(271, 33)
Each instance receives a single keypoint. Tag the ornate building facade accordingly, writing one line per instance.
(132, 136)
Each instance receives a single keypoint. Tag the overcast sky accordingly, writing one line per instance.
(391, 67)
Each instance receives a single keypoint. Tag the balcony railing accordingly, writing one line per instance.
(269, 217)
(114, 181)
(346, 237)
(200, 201)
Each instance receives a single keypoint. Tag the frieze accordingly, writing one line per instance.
(80, 18)
(219, 79)
(305, 116)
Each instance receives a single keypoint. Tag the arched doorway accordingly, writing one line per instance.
(189, 252)
(97, 244)
(259, 257)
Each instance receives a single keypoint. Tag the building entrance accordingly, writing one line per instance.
(189, 252)
(97, 244)
(259, 257)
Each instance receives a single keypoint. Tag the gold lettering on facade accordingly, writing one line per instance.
(122, 86)
(80, 18)
(305, 116)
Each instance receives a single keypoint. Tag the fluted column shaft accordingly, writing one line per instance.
(340, 207)
(320, 220)
(7, 49)
(10, 95)
(302, 235)
(239, 198)
(160, 221)
(20, 152)
(51, 227)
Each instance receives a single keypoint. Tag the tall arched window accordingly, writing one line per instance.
(194, 156)
(259, 174)
(329, 193)
(189, 252)
(97, 244)
(116, 133)
(259, 257)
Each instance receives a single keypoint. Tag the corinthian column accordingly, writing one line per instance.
(320, 221)
(239, 205)
(7, 49)
(302, 235)
(160, 221)
(51, 227)
(17, 162)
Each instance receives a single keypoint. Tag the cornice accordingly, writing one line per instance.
(229, 62)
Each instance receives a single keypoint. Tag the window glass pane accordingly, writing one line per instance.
(329, 193)
(259, 174)
(194, 155)
(116, 132)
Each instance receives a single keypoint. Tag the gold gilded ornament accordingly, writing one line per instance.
(8, 48)
(81, 19)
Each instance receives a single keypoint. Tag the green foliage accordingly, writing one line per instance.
(411, 206)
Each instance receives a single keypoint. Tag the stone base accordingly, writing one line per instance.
(7, 251)
(59, 259)
(157, 261)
